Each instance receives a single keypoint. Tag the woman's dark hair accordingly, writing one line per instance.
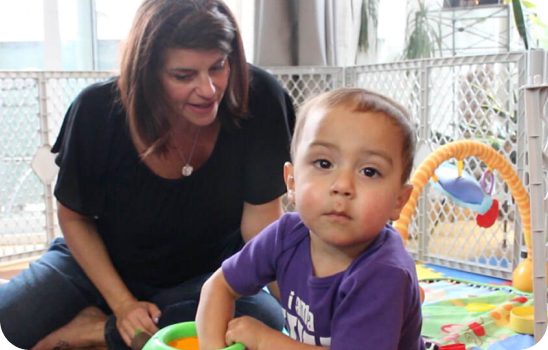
(163, 24)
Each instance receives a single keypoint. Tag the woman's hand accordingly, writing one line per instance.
(135, 317)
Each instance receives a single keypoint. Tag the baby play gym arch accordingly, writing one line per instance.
(522, 275)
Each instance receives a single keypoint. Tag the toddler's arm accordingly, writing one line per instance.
(215, 310)
(255, 335)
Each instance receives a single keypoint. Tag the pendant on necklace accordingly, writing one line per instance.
(187, 170)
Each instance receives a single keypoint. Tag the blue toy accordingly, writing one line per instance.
(466, 191)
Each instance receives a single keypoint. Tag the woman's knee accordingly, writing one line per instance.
(262, 306)
(14, 335)
(42, 298)
(179, 312)
(16, 316)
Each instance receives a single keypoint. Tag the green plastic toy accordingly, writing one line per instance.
(161, 339)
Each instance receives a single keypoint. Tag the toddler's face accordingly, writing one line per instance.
(347, 176)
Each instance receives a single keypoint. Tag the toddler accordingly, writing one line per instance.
(345, 279)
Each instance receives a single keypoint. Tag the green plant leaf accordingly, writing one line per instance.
(424, 40)
(519, 18)
(363, 39)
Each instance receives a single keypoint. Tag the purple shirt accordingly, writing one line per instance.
(374, 303)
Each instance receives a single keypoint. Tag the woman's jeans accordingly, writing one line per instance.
(54, 289)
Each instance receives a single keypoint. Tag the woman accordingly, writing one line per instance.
(164, 172)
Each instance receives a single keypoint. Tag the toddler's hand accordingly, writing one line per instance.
(246, 330)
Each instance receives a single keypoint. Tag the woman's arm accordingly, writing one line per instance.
(89, 251)
(256, 217)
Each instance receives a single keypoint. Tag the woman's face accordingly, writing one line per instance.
(194, 82)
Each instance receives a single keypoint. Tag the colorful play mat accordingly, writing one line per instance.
(464, 313)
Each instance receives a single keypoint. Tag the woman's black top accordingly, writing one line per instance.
(163, 231)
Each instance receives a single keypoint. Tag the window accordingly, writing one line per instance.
(21, 34)
(113, 20)
(79, 34)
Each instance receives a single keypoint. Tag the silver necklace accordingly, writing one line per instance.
(187, 168)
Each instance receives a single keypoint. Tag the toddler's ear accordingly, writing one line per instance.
(289, 182)
(403, 197)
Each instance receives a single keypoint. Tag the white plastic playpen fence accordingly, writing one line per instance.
(497, 99)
